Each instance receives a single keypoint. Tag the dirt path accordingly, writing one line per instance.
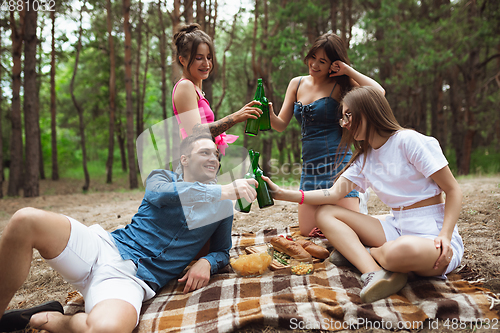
(479, 225)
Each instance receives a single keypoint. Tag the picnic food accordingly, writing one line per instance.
(251, 264)
(289, 247)
(313, 249)
(302, 268)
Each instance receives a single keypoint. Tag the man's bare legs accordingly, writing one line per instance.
(108, 316)
(28, 229)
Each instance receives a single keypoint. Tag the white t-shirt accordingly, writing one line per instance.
(398, 172)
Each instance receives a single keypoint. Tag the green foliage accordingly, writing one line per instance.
(404, 45)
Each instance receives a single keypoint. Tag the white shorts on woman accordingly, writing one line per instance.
(92, 263)
(425, 222)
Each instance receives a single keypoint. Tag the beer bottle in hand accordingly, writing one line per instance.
(264, 198)
(265, 117)
(242, 205)
(252, 127)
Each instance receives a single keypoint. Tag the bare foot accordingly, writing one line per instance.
(39, 320)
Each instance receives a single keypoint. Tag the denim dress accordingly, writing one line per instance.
(321, 135)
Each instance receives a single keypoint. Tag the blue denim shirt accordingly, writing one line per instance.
(173, 223)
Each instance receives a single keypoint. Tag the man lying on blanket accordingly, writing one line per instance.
(117, 271)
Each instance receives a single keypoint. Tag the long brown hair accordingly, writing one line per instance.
(335, 49)
(186, 43)
(370, 104)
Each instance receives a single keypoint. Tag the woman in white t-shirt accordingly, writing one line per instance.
(408, 172)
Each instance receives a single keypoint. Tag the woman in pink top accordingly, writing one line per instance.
(195, 54)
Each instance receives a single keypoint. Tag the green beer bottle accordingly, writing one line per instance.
(264, 198)
(242, 205)
(252, 127)
(265, 117)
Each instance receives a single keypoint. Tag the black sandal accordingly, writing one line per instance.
(15, 320)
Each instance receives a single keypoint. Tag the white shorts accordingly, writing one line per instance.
(92, 263)
(425, 222)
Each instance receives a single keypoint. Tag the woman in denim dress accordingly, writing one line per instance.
(314, 101)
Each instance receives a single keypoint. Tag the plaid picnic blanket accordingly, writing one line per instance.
(328, 299)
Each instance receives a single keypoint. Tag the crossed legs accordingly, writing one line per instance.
(29, 229)
(350, 231)
(307, 213)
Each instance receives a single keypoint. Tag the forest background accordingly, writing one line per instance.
(81, 80)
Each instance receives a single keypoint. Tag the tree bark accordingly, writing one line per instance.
(200, 13)
(137, 86)
(121, 143)
(112, 95)
(53, 127)
(175, 16)
(456, 116)
(343, 22)
(1, 132)
(439, 127)
(41, 164)
(16, 140)
(144, 83)
(333, 15)
(188, 11)
(128, 89)
(173, 135)
(78, 107)
(32, 132)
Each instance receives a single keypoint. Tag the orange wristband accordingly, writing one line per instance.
(301, 201)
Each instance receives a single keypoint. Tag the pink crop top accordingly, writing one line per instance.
(207, 117)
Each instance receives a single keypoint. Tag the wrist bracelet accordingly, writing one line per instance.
(301, 201)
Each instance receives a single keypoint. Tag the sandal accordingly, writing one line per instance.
(15, 320)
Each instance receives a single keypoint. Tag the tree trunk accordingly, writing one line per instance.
(31, 127)
(438, 121)
(188, 11)
(200, 13)
(121, 143)
(343, 22)
(175, 16)
(112, 95)
(78, 106)
(41, 164)
(128, 89)
(137, 86)
(470, 75)
(1, 132)
(173, 134)
(144, 83)
(53, 127)
(456, 115)
(333, 15)
(16, 139)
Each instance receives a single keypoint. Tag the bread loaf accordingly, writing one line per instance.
(289, 247)
(315, 250)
